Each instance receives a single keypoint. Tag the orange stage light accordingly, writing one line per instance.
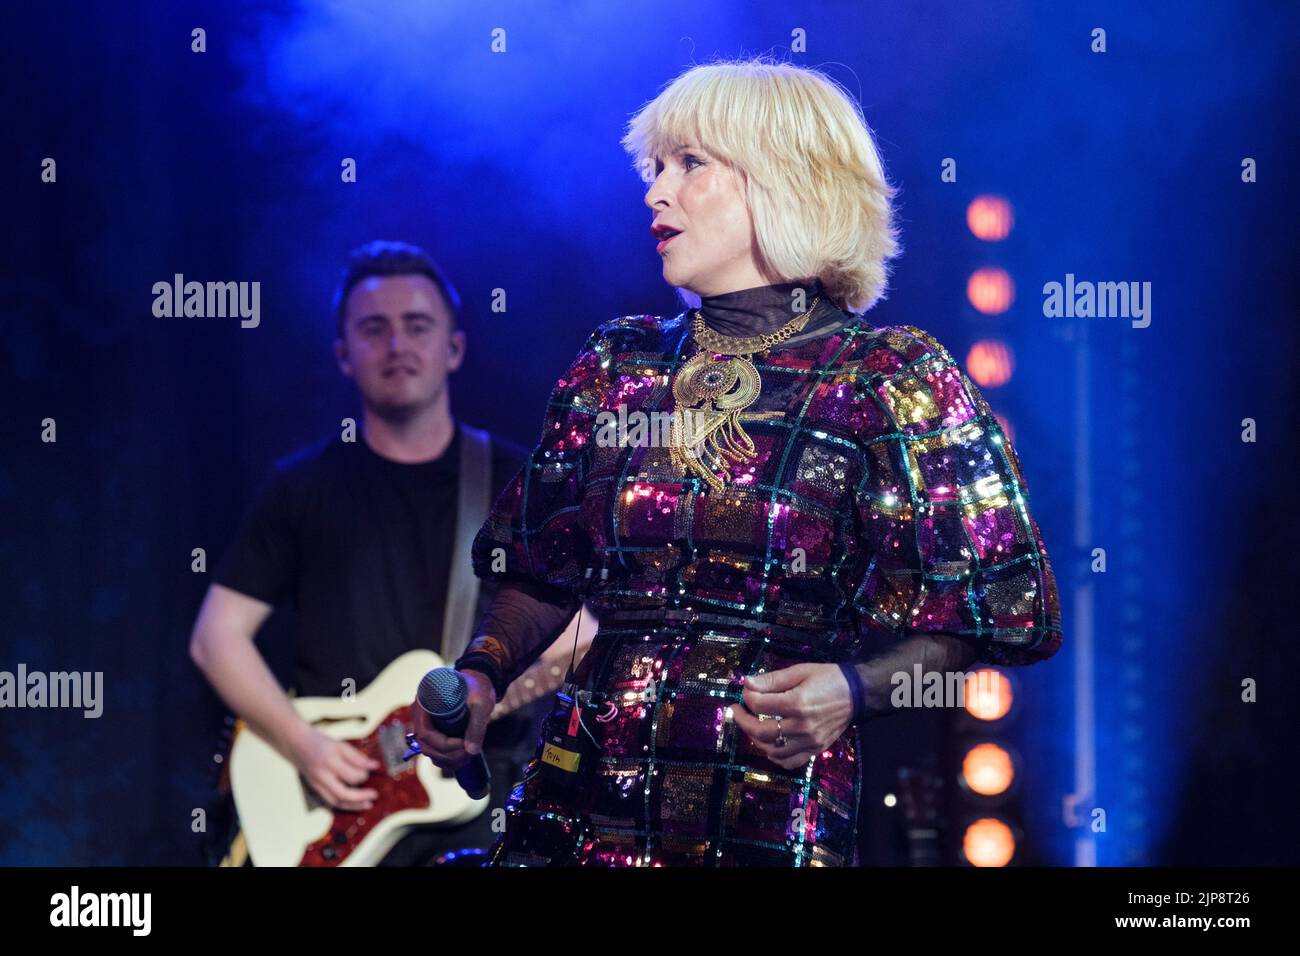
(990, 218)
(988, 842)
(990, 290)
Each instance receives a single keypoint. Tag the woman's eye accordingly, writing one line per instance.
(688, 159)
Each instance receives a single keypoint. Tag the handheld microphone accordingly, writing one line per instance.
(443, 694)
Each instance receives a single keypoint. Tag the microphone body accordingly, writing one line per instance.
(443, 695)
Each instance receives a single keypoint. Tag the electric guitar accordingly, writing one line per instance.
(284, 823)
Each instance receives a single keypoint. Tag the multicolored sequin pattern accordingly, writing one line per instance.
(884, 501)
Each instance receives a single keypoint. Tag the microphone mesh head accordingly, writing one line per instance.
(443, 691)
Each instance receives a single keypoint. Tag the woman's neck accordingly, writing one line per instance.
(766, 308)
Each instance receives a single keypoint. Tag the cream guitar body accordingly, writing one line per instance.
(285, 824)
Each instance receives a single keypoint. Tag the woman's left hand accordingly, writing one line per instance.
(813, 701)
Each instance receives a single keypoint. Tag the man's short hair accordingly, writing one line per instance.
(384, 259)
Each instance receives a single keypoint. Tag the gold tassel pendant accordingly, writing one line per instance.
(706, 436)
(711, 390)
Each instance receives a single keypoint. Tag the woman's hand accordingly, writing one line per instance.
(813, 701)
(450, 753)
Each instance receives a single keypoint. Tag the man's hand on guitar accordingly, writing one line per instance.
(333, 769)
(451, 752)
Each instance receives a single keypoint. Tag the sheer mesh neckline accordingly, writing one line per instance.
(766, 308)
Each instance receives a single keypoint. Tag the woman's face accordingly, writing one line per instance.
(701, 197)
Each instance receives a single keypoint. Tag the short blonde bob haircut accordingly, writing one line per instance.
(812, 177)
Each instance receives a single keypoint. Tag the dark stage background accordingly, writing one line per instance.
(225, 165)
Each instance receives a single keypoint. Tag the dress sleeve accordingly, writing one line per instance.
(944, 511)
(533, 541)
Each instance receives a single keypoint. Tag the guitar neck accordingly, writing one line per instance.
(546, 674)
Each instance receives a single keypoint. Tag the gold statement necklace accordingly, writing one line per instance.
(711, 391)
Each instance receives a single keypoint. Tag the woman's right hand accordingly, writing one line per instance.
(451, 753)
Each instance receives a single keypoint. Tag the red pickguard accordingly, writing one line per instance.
(399, 791)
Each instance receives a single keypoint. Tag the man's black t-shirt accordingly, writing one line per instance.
(361, 546)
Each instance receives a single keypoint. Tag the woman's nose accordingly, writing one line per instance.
(658, 193)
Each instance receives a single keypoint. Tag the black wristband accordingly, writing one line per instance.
(487, 665)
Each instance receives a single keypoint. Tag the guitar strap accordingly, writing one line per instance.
(473, 494)
(237, 856)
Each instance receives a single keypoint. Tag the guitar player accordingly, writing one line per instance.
(368, 539)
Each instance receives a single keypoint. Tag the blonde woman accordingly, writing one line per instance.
(831, 503)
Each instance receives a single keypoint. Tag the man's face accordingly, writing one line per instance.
(398, 344)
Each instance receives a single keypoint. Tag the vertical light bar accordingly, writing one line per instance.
(1085, 738)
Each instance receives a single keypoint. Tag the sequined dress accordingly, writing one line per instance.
(884, 501)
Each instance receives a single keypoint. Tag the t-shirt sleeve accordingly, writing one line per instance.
(944, 511)
(262, 560)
